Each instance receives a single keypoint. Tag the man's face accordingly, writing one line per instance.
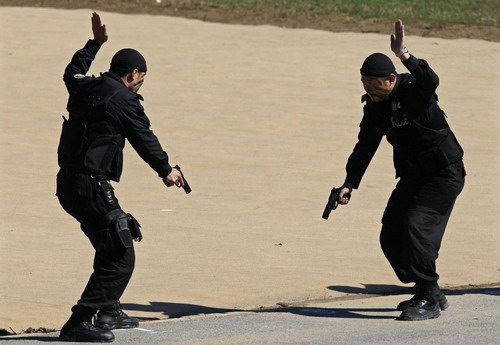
(378, 88)
(137, 80)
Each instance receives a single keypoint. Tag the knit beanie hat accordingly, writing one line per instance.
(377, 65)
(126, 60)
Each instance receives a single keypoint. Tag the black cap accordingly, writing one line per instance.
(378, 65)
(126, 60)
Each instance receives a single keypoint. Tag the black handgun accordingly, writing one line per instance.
(186, 186)
(333, 202)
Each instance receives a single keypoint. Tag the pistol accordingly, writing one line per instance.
(333, 202)
(186, 186)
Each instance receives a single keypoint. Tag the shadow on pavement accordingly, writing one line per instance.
(386, 290)
(341, 313)
(373, 289)
(43, 338)
(175, 310)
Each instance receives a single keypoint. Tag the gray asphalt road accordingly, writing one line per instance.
(473, 318)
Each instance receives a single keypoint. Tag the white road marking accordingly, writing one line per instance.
(145, 330)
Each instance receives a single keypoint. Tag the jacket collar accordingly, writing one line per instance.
(118, 79)
(394, 93)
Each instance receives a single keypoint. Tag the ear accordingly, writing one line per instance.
(392, 78)
(132, 75)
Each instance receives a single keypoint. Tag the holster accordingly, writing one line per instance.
(123, 230)
(135, 228)
(126, 227)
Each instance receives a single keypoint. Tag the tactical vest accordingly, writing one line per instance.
(443, 150)
(419, 151)
(89, 143)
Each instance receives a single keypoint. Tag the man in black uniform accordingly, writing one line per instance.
(103, 111)
(428, 161)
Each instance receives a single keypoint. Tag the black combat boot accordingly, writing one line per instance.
(114, 318)
(80, 328)
(443, 302)
(425, 304)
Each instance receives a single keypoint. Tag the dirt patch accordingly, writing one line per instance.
(314, 19)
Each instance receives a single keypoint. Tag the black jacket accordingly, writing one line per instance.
(102, 113)
(413, 124)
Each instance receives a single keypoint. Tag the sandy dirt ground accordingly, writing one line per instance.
(262, 120)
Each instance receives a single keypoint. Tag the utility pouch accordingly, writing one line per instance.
(123, 230)
(107, 192)
(135, 228)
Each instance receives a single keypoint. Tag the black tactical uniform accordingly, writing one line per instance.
(102, 113)
(428, 161)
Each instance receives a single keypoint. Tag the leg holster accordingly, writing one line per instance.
(124, 225)
(135, 228)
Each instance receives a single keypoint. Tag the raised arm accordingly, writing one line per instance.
(426, 79)
(82, 59)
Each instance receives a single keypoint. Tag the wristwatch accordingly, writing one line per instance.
(403, 51)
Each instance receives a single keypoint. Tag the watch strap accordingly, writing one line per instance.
(403, 51)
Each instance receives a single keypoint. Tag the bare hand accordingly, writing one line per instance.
(343, 195)
(174, 178)
(99, 29)
(397, 40)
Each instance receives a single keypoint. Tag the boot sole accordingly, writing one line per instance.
(79, 340)
(110, 327)
(434, 315)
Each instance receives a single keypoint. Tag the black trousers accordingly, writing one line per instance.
(80, 195)
(414, 222)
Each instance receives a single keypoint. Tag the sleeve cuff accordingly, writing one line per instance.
(166, 171)
(411, 62)
(355, 185)
(93, 43)
(92, 46)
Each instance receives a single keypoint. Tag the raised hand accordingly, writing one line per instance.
(99, 29)
(397, 40)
